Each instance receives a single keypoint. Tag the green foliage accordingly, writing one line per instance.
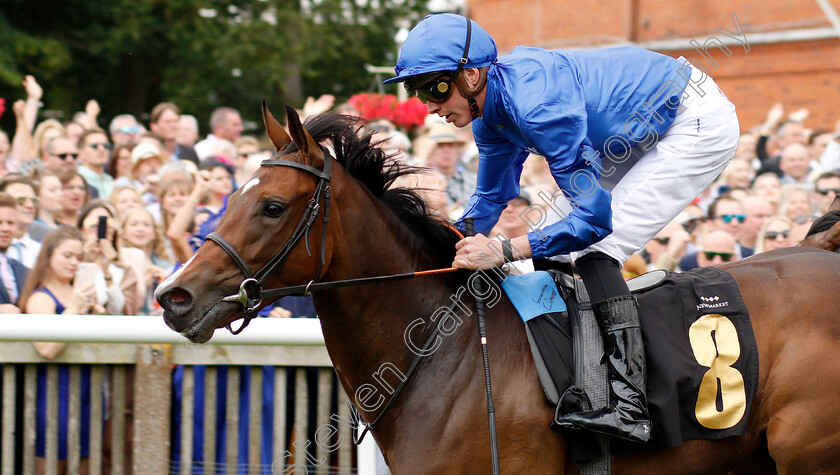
(200, 54)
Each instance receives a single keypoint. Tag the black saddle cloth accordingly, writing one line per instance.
(702, 359)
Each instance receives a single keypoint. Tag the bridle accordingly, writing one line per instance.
(251, 292)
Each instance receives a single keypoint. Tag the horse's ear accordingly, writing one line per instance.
(835, 205)
(306, 144)
(278, 136)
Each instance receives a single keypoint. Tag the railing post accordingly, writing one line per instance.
(152, 396)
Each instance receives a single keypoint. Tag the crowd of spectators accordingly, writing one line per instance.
(92, 218)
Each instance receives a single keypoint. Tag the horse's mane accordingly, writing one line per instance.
(377, 170)
(824, 223)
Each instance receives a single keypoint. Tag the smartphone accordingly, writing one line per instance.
(102, 228)
(85, 274)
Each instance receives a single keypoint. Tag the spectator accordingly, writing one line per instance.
(187, 131)
(737, 175)
(818, 143)
(93, 155)
(175, 195)
(50, 195)
(119, 165)
(790, 131)
(62, 154)
(35, 155)
(74, 131)
(124, 198)
(430, 184)
(225, 124)
(444, 156)
(139, 231)
(115, 283)
(727, 214)
(769, 187)
(666, 249)
(165, 120)
(221, 185)
(12, 273)
(76, 194)
(146, 161)
(830, 159)
(796, 201)
(125, 130)
(774, 234)
(223, 151)
(718, 248)
(795, 164)
(245, 147)
(800, 228)
(511, 225)
(826, 188)
(746, 149)
(757, 209)
(50, 290)
(26, 246)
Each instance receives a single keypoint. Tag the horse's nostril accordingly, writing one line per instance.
(177, 299)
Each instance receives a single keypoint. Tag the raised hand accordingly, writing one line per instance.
(34, 92)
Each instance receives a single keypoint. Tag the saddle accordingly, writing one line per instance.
(702, 359)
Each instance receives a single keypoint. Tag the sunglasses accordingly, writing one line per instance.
(97, 146)
(21, 200)
(662, 240)
(724, 256)
(727, 218)
(130, 129)
(775, 234)
(826, 191)
(437, 89)
(66, 156)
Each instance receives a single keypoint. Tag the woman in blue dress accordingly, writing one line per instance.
(49, 289)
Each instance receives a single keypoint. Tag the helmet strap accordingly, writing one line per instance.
(473, 107)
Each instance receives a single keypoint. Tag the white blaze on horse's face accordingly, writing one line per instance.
(247, 186)
(177, 273)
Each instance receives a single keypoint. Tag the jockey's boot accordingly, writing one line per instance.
(627, 416)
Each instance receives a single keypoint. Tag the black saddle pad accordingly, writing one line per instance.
(702, 359)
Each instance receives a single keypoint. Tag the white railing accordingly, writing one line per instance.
(143, 350)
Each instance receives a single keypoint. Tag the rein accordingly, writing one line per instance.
(251, 292)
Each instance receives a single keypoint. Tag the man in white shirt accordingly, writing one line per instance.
(226, 124)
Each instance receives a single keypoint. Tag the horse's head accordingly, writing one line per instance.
(272, 234)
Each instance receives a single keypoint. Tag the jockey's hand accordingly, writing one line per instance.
(478, 252)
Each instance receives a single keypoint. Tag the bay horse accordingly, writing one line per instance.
(438, 422)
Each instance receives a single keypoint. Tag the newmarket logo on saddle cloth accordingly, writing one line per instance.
(702, 357)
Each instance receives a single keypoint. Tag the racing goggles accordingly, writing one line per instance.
(436, 88)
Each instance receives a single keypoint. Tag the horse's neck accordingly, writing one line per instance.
(365, 326)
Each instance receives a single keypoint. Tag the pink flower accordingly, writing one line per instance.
(2, 106)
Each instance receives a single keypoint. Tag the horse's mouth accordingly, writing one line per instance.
(202, 329)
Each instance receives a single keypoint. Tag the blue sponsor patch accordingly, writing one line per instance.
(533, 294)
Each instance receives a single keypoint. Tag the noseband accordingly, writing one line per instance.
(251, 291)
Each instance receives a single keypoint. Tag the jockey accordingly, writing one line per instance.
(631, 138)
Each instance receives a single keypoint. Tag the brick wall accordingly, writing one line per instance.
(798, 74)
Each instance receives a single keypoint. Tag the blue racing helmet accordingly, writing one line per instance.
(439, 42)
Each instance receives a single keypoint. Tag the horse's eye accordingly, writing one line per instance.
(273, 210)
